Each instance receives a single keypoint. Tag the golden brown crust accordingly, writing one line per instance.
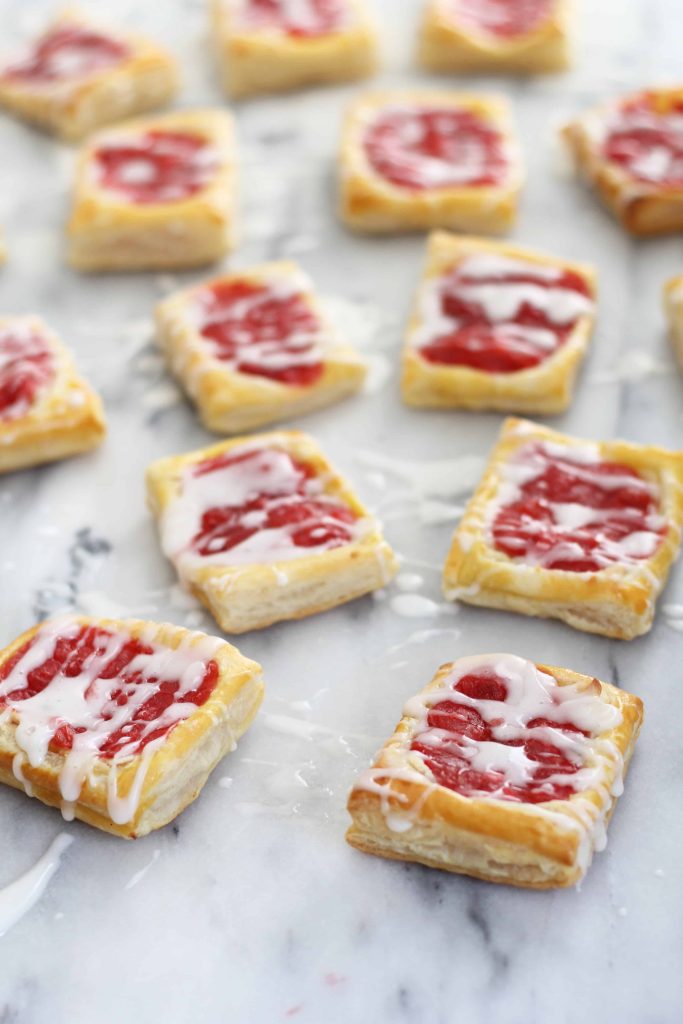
(146, 79)
(546, 388)
(246, 597)
(618, 601)
(673, 308)
(66, 419)
(536, 846)
(229, 402)
(107, 233)
(447, 47)
(261, 62)
(368, 203)
(178, 769)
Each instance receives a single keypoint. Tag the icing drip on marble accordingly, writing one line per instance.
(21, 895)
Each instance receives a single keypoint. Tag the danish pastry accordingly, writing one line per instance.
(253, 347)
(262, 529)
(120, 723)
(585, 532)
(500, 769)
(496, 326)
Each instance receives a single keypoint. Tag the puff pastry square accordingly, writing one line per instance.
(80, 75)
(630, 151)
(421, 159)
(47, 411)
(155, 193)
(500, 769)
(673, 307)
(496, 326)
(458, 36)
(120, 723)
(262, 529)
(254, 347)
(276, 45)
(585, 532)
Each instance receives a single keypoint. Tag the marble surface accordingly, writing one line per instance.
(251, 908)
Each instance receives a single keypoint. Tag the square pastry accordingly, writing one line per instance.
(253, 347)
(155, 193)
(262, 529)
(415, 160)
(630, 150)
(673, 308)
(275, 45)
(47, 411)
(496, 326)
(527, 38)
(575, 530)
(120, 723)
(500, 769)
(80, 75)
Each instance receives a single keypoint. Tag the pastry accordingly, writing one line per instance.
(79, 75)
(421, 159)
(120, 723)
(262, 529)
(500, 769)
(565, 529)
(47, 411)
(253, 347)
(274, 45)
(496, 326)
(673, 306)
(528, 38)
(155, 193)
(631, 151)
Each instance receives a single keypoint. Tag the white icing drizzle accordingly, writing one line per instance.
(199, 165)
(290, 15)
(84, 701)
(657, 164)
(21, 342)
(21, 895)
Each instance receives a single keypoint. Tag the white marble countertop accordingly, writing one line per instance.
(251, 908)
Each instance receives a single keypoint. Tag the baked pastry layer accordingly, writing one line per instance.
(449, 43)
(627, 149)
(122, 228)
(124, 720)
(472, 185)
(253, 347)
(71, 93)
(541, 310)
(500, 769)
(262, 59)
(50, 412)
(613, 593)
(262, 529)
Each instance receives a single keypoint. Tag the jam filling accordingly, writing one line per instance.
(157, 167)
(499, 315)
(263, 330)
(645, 139)
(575, 514)
(272, 506)
(27, 365)
(297, 18)
(68, 52)
(419, 148)
(468, 747)
(503, 18)
(118, 687)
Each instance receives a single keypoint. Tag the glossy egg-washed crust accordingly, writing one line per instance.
(145, 79)
(245, 597)
(229, 401)
(369, 203)
(673, 308)
(66, 419)
(546, 388)
(618, 601)
(642, 208)
(536, 846)
(449, 47)
(107, 232)
(178, 769)
(263, 62)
